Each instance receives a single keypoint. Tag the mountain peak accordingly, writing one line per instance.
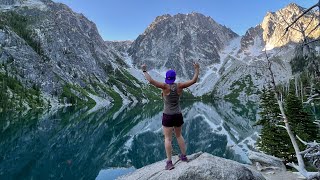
(193, 17)
(293, 6)
(193, 13)
(275, 23)
(173, 41)
(291, 9)
(179, 15)
(162, 17)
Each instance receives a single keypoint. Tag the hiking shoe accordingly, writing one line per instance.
(169, 165)
(183, 158)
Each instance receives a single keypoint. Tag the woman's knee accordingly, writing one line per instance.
(179, 136)
(168, 139)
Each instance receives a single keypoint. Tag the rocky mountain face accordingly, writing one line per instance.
(120, 46)
(273, 27)
(177, 41)
(251, 37)
(66, 45)
(47, 45)
(225, 58)
(243, 70)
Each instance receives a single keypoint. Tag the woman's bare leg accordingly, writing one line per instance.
(167, 131)
(180, 139)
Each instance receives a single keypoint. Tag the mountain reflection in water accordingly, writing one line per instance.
(71, 143)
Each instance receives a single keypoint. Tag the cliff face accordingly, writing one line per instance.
(47, 45)
(177, 41)
(55, 41)
(225, 59)
(243, 69)
(273, 27)
(53, 45)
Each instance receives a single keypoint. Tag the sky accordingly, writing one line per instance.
(127, 19)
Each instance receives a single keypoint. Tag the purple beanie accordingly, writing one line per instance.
(170, 76)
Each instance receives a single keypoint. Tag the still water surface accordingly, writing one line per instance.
(75, 143)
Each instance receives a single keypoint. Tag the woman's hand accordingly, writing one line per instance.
(196, 66)
(144, 67)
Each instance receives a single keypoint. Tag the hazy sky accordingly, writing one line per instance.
(126, 19)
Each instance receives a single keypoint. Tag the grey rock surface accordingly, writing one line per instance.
(200, 166)
(64, 47)
(176, 41)
(244, 61)
(7, 2)
(120, 46)
(69, 49)
(272, 29)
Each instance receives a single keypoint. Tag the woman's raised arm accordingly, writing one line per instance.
(193, 80)
(149, 78)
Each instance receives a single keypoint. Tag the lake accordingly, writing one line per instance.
(76, 143)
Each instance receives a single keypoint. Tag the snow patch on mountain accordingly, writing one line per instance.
(231, 49)
(211, 73)
(206, 83)
(257, 49)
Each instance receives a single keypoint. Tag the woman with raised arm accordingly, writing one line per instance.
(172, 118)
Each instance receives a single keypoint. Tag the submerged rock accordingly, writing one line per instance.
(200, 166)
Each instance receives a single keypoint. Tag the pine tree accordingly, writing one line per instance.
(299, 119)
(273, 140)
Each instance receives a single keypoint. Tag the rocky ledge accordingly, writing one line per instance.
(200, 166)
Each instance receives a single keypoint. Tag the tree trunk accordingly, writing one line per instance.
(301, 165)
(301, 88)
(296, 84)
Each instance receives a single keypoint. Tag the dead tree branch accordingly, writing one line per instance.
(306, 11)
(281, 126)
(301, 166)
(312, 41)
(313, 29)
(311, 98)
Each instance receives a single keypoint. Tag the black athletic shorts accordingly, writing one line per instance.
(175, 120)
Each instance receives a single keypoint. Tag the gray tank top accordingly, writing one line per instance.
(171, 101)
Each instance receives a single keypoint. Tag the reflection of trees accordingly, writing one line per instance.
(147, 146)
(240, 122)
(69, 144)
(73, 144)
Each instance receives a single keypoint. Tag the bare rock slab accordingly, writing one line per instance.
(201, 166)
